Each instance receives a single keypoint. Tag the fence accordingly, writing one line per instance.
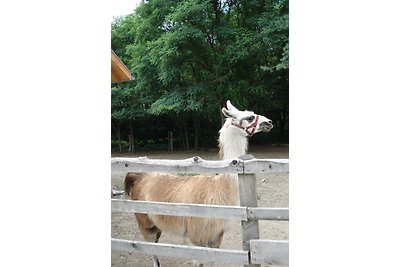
(255, 251)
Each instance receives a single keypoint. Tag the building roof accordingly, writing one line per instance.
(119, 72)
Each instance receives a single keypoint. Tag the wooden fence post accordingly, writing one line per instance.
(248, 198)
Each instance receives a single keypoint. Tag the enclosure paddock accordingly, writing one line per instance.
(255, 251)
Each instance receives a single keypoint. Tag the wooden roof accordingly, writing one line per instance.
(119, 72)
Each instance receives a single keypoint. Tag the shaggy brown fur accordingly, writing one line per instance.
(200, 189)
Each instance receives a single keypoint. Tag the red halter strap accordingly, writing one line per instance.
(249, 130)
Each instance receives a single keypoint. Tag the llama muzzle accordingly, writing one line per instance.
(265, 126)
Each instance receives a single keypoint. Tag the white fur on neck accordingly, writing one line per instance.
(232, 141)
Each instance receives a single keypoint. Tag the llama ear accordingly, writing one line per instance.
(227, 113)
(231, 107)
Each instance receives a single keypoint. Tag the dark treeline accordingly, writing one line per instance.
(188, 57)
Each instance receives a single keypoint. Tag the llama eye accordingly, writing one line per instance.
(250, 118)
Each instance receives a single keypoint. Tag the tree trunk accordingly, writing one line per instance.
(196, 133)
(117, 128)
(119, 137)
(216, 8)
(180, 133)
(186, 135)
(170, 141)
(284, 122)
(222, 117)
(131, 138)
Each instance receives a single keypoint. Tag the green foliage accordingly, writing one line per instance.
(179, 101)
(124, 105)
(115, 144)
(189, 57)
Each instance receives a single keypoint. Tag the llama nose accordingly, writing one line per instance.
(268, 122)
(265, 126)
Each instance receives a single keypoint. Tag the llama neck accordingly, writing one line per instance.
(232, 141)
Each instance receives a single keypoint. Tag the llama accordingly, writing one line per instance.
(220, 189)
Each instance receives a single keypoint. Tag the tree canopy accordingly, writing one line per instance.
(188, 57)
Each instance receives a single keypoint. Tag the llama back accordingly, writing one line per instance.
(200, 189)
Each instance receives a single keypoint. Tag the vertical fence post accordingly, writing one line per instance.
(248, 198)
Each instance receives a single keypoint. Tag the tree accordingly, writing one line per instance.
(189, 57)
(125, 109)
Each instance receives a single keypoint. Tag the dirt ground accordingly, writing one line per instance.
(272, 191)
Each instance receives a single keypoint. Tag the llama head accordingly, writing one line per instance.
(248, 121)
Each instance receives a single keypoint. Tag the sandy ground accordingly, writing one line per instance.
(272, 191)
